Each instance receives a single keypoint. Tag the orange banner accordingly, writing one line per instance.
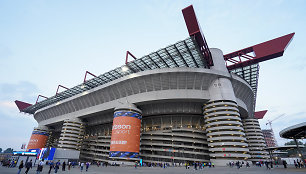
(125, 134)
(37, 141)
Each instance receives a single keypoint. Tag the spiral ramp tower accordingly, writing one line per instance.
(225, 133)
(224, 128)
(71, 134)
(255, 140)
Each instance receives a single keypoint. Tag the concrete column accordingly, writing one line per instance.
(38, 138)
(50, 141)
(125, 140)
(255, 140)
(70, 140)
(224, 129)
(72, 134)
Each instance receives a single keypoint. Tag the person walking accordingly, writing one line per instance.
(87, 166)
(51, 166)
(285, 164)
(247, 165)
(267, 165)
(238, 164)
(12, 164)
(82, 166)
(64, 166)
(40, 167)
(20, 167)
(299, 163)
(57, 165)
(28, 165)
(295, 164)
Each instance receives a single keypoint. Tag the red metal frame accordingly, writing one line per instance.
(194, 30)
(87, 72)
(59, 87)
(260, 114)
(22, 105)
(40, 96)
(263, 51)
(127, 56)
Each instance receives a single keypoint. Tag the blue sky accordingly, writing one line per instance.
(47, 43)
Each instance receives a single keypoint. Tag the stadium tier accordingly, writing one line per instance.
(183, 103)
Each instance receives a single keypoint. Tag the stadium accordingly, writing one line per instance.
(182, 103)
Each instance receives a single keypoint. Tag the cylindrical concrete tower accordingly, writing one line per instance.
(39, 138)
(125, 141)
(255, 140)
(71, 134)
(51, 139)
(224, 130)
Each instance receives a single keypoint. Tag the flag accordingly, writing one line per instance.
(23, 146)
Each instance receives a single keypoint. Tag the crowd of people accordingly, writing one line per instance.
(268, 164)
(239, 164)
(52, 166)
(299, 163)
(199, 165)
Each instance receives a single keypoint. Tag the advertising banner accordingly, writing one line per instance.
(125, 139)
(44, 153)
(38, 140)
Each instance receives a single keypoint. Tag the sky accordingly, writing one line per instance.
(47, 43)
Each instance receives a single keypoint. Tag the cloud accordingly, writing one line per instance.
(15, 127)
(24, 91)
(15, 131)
(7, 104)
(5, 52)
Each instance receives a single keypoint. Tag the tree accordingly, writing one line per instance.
(293, 152)
(0, 149)
(293, 143)
(9, 150)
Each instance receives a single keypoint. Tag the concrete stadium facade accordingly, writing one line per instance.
(188, 114)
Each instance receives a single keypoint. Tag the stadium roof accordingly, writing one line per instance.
(297, 131)
(192, 52)
(184, 53)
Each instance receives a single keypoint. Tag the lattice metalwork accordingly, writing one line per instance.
(250, 74)
(184, 53)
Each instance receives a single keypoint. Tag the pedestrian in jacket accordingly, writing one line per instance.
(20, 167)
(57, 166)
(51, 166)
(28, 165)
(40, 167)
(64, 166)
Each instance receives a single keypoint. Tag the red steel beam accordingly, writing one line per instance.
(264, 51)
(22, 105)
(40, 96)
(59, 87)
(194, 30)
(87, 72)
(127, 56)
(260, 114)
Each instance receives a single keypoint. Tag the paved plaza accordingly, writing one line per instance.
(156, 170)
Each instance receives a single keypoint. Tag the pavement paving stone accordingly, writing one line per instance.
(158, 170)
